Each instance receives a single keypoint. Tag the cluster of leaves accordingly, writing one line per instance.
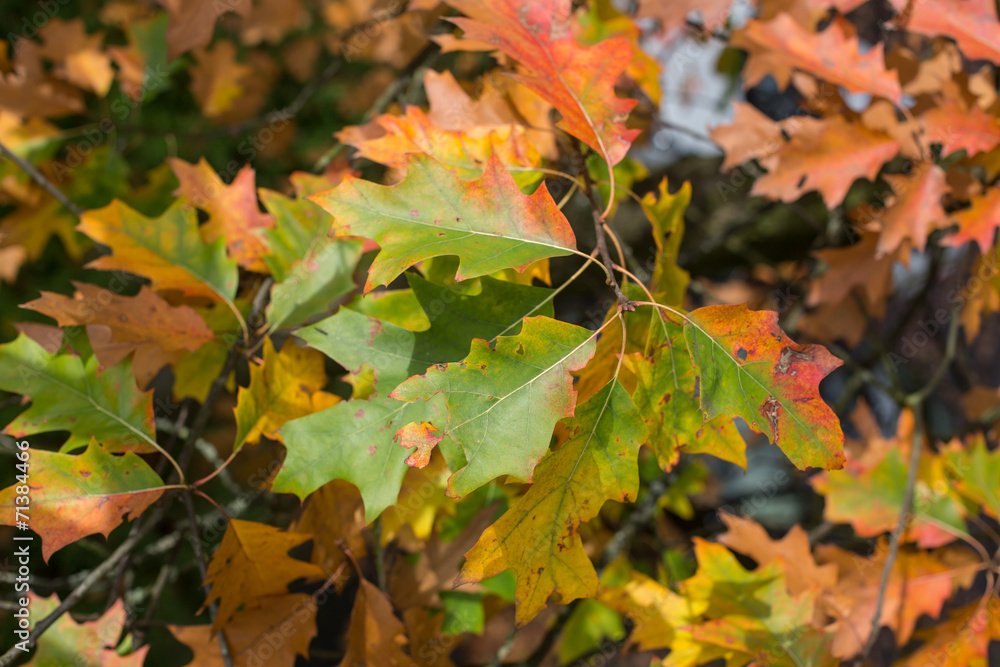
(379, 337)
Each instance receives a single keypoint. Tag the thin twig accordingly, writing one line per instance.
(602, 242)
(98, 573)
(40, 178)
(897, 533)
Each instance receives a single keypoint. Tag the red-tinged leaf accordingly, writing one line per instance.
(751, 136)
(577, 80)
(168, 250)
(825, 155)
(145, 318)
(780, 46)
(971, 23)
(421, 437)
(868, 494)
(978, 223)
(674, 14)
(252, 563)
(464, 152)
(233, 213)
(88, 644)
(915, 211)
(957, 127)
(488, 223)
(806, 13)
(76, 496)
(749, 368)
(854, 266)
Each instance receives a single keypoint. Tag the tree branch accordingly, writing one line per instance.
(40, 178)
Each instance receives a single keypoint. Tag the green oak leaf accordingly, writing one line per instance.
(504, 400)
(538, 535)
(354, 440)
(488, 223)
(666, 395)
(70, 394)
(309, 268)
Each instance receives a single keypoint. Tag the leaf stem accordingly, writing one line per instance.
(602, 243)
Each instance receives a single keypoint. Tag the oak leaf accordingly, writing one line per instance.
(488, 223)
(666, 392)
(375, 635)
(577, 80)
(366, 453)
(749, 368)
(76, 496)
(750, 136)
(253, 632)
(70, 394)
(286, 386)
(971, 23)
(168, 250)
(89, 644)
(233, 213)
(523, 380)
(192, 22)
(391, 140)
(335, 515)
(146, 326)
(780, 46)
(538, 536)
(978, 223)
(957, 126)
(78, 56)
(915, 210)
(252, 563)
(825, 155)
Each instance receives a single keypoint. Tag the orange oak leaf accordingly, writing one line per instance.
(751, 136)
(272, 633)
(979, 222)
(73, 496)
(192, 21)
(143, 319)
(963, 640)
(806, 13)
(749, 537)
(422, 437)
(673, 15)
(971, 23)
(375, 635)
(916, 209)
(577, 80)
(826, 155)
(252, 563)
(780, 46)
(27, 90)
(956, 126)
(920, 583)
(855, 266)
(233, 211)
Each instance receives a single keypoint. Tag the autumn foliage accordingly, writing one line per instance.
(350, 332)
